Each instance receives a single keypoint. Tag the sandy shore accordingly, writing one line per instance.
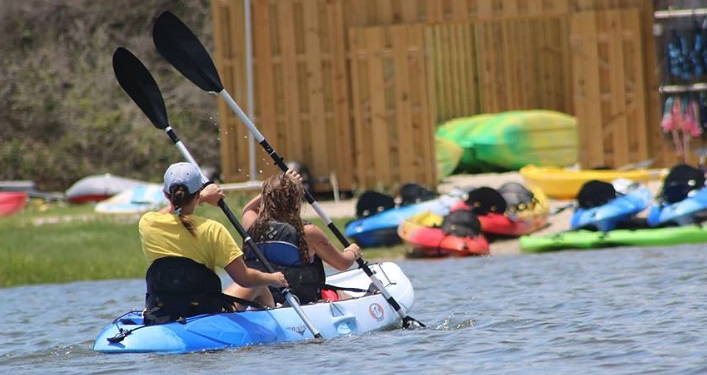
(558, 222)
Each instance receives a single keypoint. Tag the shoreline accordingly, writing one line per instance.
(556, 223)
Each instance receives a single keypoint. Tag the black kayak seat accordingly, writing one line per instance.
(595, 193)
(372, 202)
(485, 200)
(680, 181)
(412, 193)
(461, 223)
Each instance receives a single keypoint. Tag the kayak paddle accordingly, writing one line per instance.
(178, 45)
(138, 83)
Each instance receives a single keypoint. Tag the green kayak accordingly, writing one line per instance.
(513, 139)
(585, 239)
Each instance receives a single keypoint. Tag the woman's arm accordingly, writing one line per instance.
(318, 241)
(250, 211)
(248, 277)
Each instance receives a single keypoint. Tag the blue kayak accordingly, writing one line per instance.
(608, 216)
(381, 229)
(684, 212)
(365, 312)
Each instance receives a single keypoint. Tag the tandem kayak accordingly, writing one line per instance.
(365, 312)
(585, 239)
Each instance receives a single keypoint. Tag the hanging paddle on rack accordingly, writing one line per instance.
(138, 83)
(178, 45)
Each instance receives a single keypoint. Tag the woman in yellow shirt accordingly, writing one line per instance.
(183, 251)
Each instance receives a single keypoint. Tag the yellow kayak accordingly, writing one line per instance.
(559, 183)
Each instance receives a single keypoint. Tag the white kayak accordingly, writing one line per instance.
(141, 198)
(365, 312)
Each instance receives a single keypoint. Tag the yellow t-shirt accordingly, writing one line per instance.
(164, 235)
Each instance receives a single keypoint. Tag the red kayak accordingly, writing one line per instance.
(424, 237)
(12, 202)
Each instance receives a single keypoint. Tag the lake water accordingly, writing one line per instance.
(617, 311)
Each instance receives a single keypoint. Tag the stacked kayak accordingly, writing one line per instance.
(601, 207)
(682, 200)
(457, 234)
(559, 183)
(586, 239)
(511, 140)
(381, 229)
(509, 211)
(366, 312)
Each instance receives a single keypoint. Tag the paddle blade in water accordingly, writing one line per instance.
(178, 45)
(138, 83)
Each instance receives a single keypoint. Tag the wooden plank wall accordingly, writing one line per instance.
(392, 119)
(524, 64)
(304, 84)
(609, 87)
(301, 103)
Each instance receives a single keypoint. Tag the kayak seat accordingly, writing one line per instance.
(461, 223)
(372, 202)
(595, 193)
(412, 193)
(680, 181)
(485, 200)
(517, 197)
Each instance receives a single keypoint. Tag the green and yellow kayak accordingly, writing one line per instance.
(511, 140)
(584, 239)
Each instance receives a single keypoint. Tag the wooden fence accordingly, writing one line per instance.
(355, 87)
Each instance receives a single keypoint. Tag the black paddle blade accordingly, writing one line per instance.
(410, 323)
(178, 45)
(138, 83)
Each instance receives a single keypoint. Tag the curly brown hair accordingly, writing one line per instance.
(281, 201)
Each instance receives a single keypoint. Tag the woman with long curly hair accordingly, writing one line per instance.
(291, 244)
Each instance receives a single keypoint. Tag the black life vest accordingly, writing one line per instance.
(281, 249)
(179, 287)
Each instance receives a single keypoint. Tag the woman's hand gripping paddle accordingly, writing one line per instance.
(178, 45)
(138, 83)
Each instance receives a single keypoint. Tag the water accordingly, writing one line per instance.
(619, 311)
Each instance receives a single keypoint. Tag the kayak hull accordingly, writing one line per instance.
(585, 239)
(559, 183)
(608, 216)
(364, 313)
(12, 202)
(423, 241)
(381, 229)
(683, 212)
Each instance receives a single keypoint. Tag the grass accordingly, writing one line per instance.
(56, 243)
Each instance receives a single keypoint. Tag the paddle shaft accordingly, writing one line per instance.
(291, 299)
(310, 199)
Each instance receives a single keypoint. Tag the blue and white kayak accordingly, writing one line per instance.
(381, 229)
(684, 212)
(365, 312)
(628, 202)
